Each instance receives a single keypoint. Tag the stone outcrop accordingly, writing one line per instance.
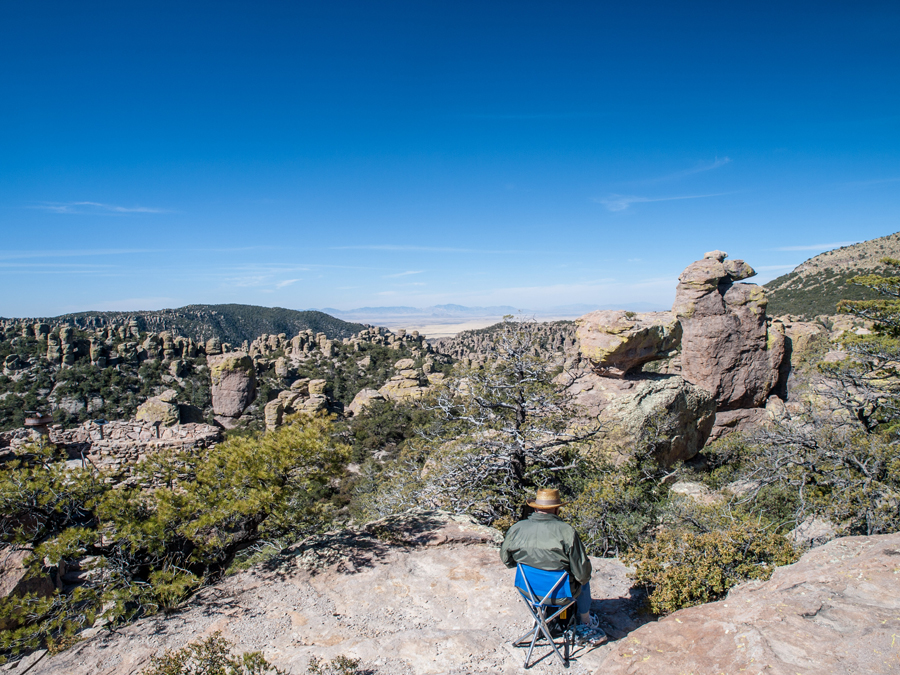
(274, 412)
(15, 579)
(118, 445)
(161, 409)
(362, 399)
(233, 383)
(617, 342)
(728, 347)
(836, 610)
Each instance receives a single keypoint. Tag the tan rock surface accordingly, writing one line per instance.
(617, 341)
(425, 594)
(837, 610)
(274, 413)
(399, 388)
(233, 383)
(363, 398)
(158, 410)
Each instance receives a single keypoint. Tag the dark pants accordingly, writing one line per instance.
(583, 602)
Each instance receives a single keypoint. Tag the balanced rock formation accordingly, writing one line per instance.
(617, 341)
(836, 610)
(406, 384)
(728, 348)
(233, 382)
(160, 409)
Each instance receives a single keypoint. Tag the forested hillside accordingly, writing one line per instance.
(815, 287)
(230, 323)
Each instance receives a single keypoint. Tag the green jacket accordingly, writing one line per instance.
(548, 543)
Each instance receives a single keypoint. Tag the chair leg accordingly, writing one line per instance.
(545, 630)
(531, 649)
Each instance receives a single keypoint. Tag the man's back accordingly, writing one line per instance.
(546, 542)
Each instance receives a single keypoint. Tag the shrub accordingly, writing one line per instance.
(211, 656)
(682, 567)
(613, 512)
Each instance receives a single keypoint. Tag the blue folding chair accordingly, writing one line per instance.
(544, 592)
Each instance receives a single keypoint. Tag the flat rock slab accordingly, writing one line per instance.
(423, 594)
(837, 610)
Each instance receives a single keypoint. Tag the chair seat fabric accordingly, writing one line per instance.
(542, 582)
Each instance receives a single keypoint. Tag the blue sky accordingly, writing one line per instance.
(345, 154)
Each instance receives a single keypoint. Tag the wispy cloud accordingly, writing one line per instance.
(248, 281)
(616, 203)
(286, 282)
(423, 249)
(717, 163)
(403, 274)
(816, 247)
(94, 208)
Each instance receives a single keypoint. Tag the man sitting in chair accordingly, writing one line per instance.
(546, 542)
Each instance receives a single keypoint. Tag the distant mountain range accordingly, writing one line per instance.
(370, 314)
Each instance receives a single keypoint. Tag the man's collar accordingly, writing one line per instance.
(540, 515)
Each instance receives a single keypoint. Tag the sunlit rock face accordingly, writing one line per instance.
(618, 342)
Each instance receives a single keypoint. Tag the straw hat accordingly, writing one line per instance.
(547, 498)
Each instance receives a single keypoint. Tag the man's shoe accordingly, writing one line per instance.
(589, 633)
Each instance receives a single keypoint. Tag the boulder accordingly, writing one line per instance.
(233, 383)
(363, 398)
(697, 492)
(833, 611)
(617, 342)
(312, 405)
(404, 364)
(281, 367)
(728, 347)
(399, 388)
(317, 387)
(812, 532)
(160, 409)
(742, 420)
(301, 386)
(677, 414)
(274, 413)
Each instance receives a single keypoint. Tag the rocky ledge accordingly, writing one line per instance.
(425, 592)
(420, 593)
(837, 610)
